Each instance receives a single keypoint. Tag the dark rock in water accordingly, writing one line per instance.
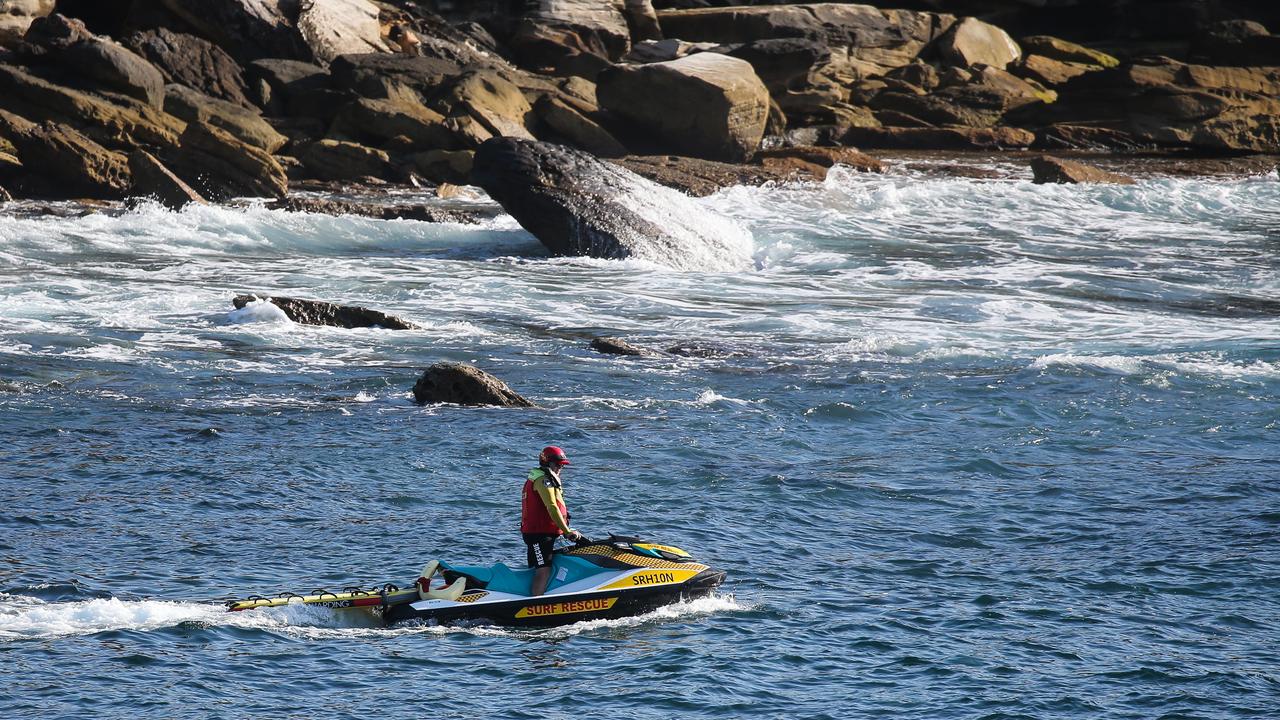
(315, 312)
(704, 351)
(464, 385)
(578, 205)
(330, 206)
(1056, 170)
(617, 346)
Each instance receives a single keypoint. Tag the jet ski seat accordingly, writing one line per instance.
(496, 578)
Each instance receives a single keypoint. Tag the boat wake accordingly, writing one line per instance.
(27, 618)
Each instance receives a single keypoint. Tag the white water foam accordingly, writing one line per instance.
(32, 618)
(24, 617)
(258, 311)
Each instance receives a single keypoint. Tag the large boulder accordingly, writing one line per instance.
(576, 129)
(723, 106)
(100, 61)
(385, 76)
(340, 27)
(463, 384)
(973, 42)
(192, 61)
(490, 103)
(863, 40)
(16, 17)
(578, 205)
(247, 125)
(318, 312)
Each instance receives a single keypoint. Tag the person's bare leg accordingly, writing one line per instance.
(540, 578)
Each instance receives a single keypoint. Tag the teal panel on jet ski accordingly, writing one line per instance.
(567, 569)
(498, 577)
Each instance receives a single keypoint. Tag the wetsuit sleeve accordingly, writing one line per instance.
(549, 500)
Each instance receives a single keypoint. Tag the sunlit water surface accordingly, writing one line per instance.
(965, 449)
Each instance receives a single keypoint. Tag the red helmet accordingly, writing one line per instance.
(550, 454)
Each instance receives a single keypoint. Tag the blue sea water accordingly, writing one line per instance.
(966, 449)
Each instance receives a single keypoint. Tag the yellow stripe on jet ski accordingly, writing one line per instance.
(646, 578)
(567, 607)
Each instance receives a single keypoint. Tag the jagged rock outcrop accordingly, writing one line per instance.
(83, 167)
(192, 61)
(116, 123)
(1057, 170)
(578, 205)
(972, 42)
(1165, 103)
(723, 104)
(463, 384)
(863, 40)
(221, 166)
(245, 124)
(317, 312)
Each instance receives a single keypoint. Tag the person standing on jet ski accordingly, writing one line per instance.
(543, 516)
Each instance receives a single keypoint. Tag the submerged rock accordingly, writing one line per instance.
(617, 346)
(316, 312)
(578, 205)
(464, 385)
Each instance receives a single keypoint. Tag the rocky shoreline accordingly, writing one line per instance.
(145, 98)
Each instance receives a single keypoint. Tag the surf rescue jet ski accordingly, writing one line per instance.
(600, 579)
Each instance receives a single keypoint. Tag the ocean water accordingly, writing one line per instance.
(966, 449)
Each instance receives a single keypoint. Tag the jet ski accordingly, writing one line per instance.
(594, 579)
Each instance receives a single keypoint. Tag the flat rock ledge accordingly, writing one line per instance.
(1056, 170)
(317, 312)
(462, 384)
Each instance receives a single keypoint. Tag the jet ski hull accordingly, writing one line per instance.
(481, 608)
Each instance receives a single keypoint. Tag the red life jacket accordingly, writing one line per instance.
(534, 517)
